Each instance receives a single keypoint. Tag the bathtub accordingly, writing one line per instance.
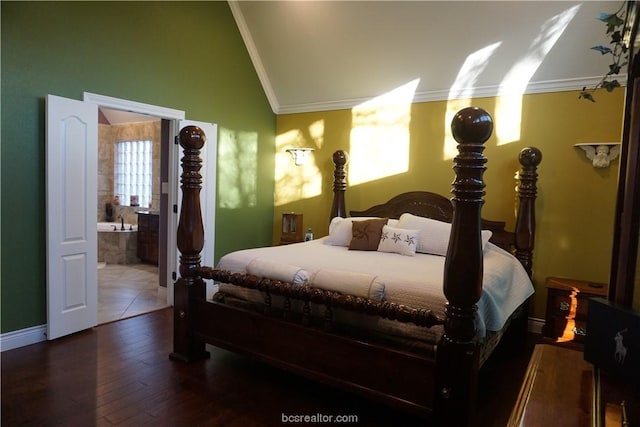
(107, 227)
(117, 246)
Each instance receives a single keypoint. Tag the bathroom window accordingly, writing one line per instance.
(133, 170)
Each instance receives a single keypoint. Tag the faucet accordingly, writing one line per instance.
(121, 222)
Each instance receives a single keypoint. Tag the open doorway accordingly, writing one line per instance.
(72, 159)
(132, 250)
(72, 187)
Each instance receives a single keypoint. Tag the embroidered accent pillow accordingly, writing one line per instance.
(398, 240)
(341, 232)
(366, 234)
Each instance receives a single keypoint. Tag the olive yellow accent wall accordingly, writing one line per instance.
(576, 202)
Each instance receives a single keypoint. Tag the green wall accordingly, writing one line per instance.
(575, 205)
(183, 55)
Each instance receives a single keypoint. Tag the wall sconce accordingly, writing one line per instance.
(601, 153)
(300, 155)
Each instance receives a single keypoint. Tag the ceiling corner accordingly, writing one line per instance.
(253, 54)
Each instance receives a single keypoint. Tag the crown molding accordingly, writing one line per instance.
(254, 55)
(532, 87)
(443, 95)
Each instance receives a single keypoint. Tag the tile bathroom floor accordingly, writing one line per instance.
(128, 290)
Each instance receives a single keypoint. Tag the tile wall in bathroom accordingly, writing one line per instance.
(107, 137)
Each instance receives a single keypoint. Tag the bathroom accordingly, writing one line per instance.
(128, 279)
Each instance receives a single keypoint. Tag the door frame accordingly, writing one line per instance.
(171, 187)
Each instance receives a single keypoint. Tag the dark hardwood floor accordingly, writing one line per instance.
(120, 374)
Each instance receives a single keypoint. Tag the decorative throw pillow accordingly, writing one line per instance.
(334, 223)
(398, 240)
(433, 234)
(366, 234)
(340, 230)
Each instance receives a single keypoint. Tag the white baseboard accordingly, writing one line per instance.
(22, 337)
(535, 325)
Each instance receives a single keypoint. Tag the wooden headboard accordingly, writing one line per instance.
(435, 206)
(431, 205)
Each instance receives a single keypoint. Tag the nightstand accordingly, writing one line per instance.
(292, 231)
(567, 305)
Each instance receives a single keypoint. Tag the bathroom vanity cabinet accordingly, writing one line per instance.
(148, 236)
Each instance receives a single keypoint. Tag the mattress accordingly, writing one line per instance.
(414, 281)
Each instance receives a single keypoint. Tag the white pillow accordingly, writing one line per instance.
(433, 237)
(398, 240)
(340, 230)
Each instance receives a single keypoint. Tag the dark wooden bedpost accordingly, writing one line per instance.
(339, 208)
(530, 158)
(190, 242)
(457, 351)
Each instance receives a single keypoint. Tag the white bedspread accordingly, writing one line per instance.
(413, 281)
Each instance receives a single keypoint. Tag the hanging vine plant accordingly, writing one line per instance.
(617, 49)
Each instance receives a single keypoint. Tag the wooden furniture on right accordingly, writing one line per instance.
(624, 281)
(567, 302)
(560, 388)
(292, 231)
(148, 237)
(616, 401)
(556, 390)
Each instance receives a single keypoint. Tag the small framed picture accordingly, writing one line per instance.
(612, 342)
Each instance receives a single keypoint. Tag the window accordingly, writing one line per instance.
(133, 170)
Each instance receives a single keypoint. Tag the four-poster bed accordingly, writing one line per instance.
(309, 329)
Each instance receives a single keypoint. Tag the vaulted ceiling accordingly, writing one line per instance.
(321, 55)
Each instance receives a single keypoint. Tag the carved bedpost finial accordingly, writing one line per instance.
(192, 137)
(340, 158)
(530, 158)
(472, 124)
(338, 208)
(457, 351)
(190, 238)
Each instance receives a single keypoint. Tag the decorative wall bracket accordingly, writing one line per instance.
(600, 153)
(300, 155)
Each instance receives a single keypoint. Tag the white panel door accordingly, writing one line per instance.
(72, 249)
(208, 155)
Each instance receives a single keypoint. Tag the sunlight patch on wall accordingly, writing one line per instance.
(380, 135)
(508, 113)
(293, 182)
(316, 132)
(237, 167)
(462, 91)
